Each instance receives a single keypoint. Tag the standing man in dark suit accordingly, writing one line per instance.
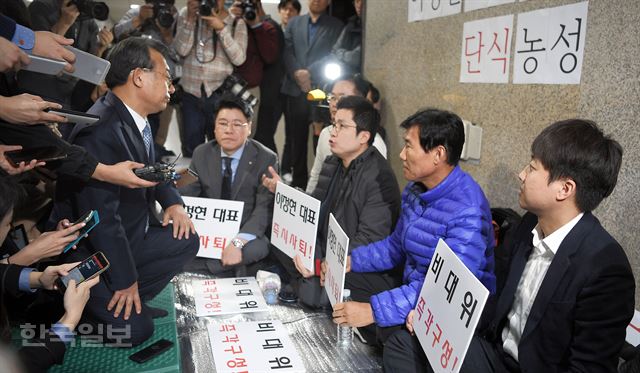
(307, 39)
(144, 254)
(569, 295)
(231, 167)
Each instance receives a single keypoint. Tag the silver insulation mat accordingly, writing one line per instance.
(313, 334)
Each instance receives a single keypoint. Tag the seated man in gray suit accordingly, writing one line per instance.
(231, 167)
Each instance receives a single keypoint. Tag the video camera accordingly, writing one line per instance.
(238, 87)
(92, 9)
(163, 12)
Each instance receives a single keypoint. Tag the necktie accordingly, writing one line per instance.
(146, 137)
(226, 179)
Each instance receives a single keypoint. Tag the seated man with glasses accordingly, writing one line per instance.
(358, 186)
(144, 253)
(231, 167)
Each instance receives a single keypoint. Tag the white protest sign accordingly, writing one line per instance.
(486, 50)
(295, 223)
(470, 5)
(429, 9)
(253, 346)
(550, 45)
(228, 295)
(448, 310)
(337, 248)
(217, 222)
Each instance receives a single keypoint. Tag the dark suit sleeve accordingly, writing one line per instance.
(40, 13)
(290, 61)
(602, 312)
(42, 353)
(7, 27)
(168, 195)
(262, 213)
(109, 236)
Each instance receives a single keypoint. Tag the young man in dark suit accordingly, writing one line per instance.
(231, 167)
(144, 253)
(569, 294)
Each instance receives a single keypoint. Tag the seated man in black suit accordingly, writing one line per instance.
(231, 167)
(569, 295)
(144, 253)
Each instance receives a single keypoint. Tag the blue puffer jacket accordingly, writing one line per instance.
(457, 211)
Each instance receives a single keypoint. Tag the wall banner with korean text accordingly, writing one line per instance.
(295, 223)
(337, 249)
(222, 296)
(470, 5)
(550, 45)
(448, 310)
(217, 222)
(428, 9)
(486, 50)
(253, 346)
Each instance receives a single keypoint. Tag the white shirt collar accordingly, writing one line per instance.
(141, 122)
(552, 242)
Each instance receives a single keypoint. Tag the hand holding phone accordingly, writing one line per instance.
(151, 351)
(40, 154)
(90, 219)
(89, 268)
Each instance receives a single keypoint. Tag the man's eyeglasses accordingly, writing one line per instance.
(339, 126)
(235, 126)
(166, 76)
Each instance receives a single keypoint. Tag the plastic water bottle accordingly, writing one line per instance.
(271, 288)
(345, 333)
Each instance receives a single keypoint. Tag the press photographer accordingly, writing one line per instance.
(212, 42)
(263, 46)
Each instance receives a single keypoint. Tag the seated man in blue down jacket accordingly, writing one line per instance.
(440, 201)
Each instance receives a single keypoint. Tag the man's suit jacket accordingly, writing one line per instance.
(585, 302)
(123, 212)
(300, 54)
(247, 182)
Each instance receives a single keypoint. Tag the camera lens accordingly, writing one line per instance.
(165, 18)
(100, 11)
(249, 13)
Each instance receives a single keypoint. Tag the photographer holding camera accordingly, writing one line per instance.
(156, 19)
(212, 42)
(263, 47)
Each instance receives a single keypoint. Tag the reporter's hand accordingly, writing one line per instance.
(297, 261)
(122, 174)
(271, 182)
(28, 109)
(62, 224)
(409, 322)
(75, 299)
(51, 45)
(182, 224)
(50, 274)
(235, 9)
(146, 12)
(231, 255)
(9, 168)
(348, 266)
(105, 37)
(213, 21)
(47, 245)
(68, 14)
(13, 58)
(125, 299)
